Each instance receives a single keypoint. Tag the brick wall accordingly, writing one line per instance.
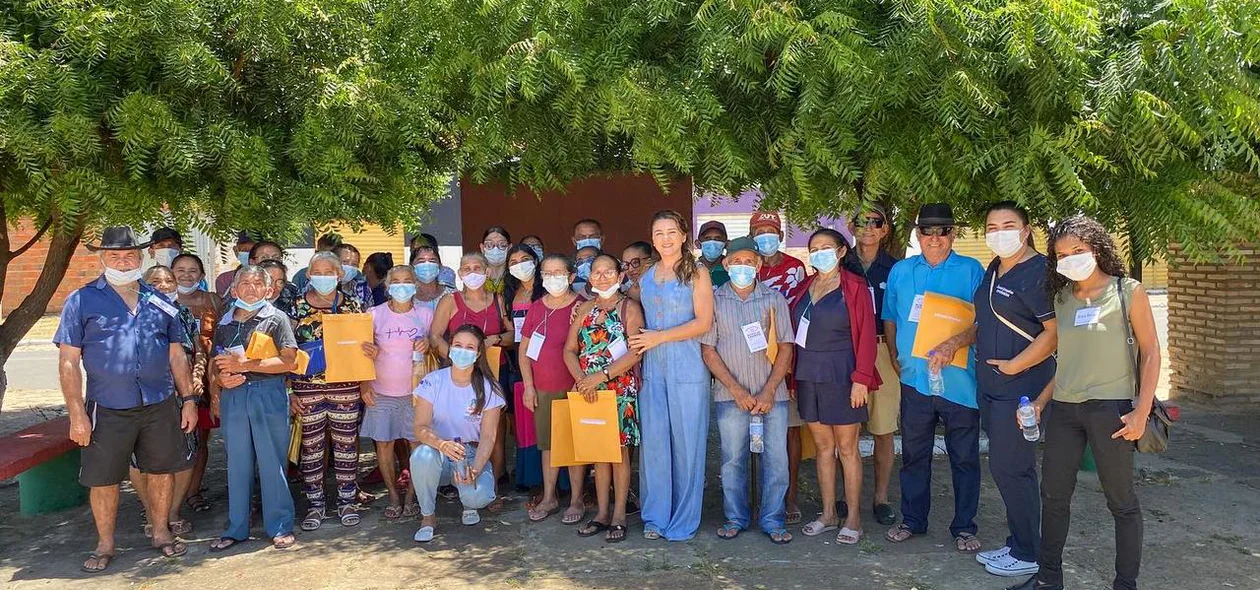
(24, 270)
(1214, 328)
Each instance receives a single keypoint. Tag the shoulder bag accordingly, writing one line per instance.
(1155, 439)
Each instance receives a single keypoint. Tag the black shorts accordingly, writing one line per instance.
(150, 433)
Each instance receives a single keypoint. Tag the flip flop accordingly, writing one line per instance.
(651, 535)
(792, 517)
(591, 528)
(545, 513)
(197, 503)
(102, 561)
(411, 510)
(619, 536)
(176, 549)
(223, 544)
(724, 531)
(818, 527)
(569, 517)
(962, 539)
(283, 542)
(180, 527)
(899, 534)
(848, 536)
(393, 512)
(784, 536)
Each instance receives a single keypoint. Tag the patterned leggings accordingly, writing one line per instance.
(330, 410)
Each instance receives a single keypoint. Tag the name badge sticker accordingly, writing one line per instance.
(161, 303)
(1087, 316)
(755, 337)
(916, 309)
(617, 348)
(535, 346)
(519, 323)
(802, 332)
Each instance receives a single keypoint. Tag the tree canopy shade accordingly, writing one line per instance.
(1141, 112)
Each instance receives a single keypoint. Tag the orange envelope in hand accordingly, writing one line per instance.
(494, 356)
(344, 335)
(941, 318)
(303, 359)
(562, 454)
(772, 341)
(261, 347)
(596, 431)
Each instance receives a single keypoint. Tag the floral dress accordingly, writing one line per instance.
(599, 330)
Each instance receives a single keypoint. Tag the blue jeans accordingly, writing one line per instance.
(431, 469)
(732, 425)
(919, 416)
(254, 423)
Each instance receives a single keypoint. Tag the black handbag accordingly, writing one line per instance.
(1155, 439)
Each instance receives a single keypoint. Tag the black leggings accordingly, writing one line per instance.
(1068, 428)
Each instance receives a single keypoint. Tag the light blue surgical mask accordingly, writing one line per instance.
(243, 258)
(402, 292)
(427, 272)
(824, 260)
(584, 271)
(596, 243)
(537, 250)
(463, 358)
(323, 285)
(255, 306)
(767, 244)
(350, 272)
(742, 275)
(712, 249)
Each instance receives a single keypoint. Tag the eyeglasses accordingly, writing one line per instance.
(875, 222)
(502, 245)
(636, 262)
(936, 231)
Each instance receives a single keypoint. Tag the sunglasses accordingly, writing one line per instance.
(876, 222)
(936, 230)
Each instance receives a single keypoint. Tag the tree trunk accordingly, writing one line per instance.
(61, 247)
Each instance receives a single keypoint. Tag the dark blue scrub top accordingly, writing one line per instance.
(1020, 296)
(876, 279)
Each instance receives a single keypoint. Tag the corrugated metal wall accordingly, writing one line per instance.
(374, 238)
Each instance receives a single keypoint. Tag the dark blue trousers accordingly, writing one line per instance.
(1013, 464)
(919, 416)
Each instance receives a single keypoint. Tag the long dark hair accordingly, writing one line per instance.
(511, 284)
(481, 373)
(1087, 230)
(685, 268)
(495, 229)
(1019, 212)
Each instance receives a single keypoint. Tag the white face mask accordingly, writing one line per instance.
(556, 285)
(182, 290)
(523, 271)
(474, 280)
(605, 293)
(122, 277)
(1077, 267)
(164, 256)
(1005, 243)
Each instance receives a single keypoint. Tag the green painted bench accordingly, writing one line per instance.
(46, 463)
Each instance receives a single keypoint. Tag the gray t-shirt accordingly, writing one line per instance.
(231, 333)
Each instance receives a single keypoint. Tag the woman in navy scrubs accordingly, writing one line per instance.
(1016, 336)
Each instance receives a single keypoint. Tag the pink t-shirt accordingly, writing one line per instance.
(395, 333)
(552, 325)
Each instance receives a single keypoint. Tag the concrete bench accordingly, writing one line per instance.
(46, 463)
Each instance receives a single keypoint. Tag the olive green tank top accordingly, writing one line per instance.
(1094, 361)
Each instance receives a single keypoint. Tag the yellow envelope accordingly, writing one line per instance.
(596, 431)
(772, 341)
(295, 439)
(261, 347)
(809, 450)
(942, 318)
(562, 454)
(344, 335)
(303, 359)
(494, 356)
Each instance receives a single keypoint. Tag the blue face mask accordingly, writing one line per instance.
(584, 271)
(427, 272)
(323, 285)
(742, 275)
(463, 358)
(402, 292)
(712, 249)
(255, 306)
(537, 250)
(824, 260)
(767, 244)
(350, 272)
(595, 243)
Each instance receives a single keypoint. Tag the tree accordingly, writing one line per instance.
(1143, 113)
(252, 114)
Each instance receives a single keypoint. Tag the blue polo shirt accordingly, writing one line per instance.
(1021, 299)
(876, 279)
(957, 276)
(126, 356)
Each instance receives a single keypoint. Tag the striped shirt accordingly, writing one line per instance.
(730, 315)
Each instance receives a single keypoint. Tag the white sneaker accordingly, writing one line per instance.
(470, 518)
(992, 555)
(1008, 566)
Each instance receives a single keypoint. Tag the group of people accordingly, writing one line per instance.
(464, 356)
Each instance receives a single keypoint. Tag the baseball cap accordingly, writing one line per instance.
(740, 244)
(708, 225)
(765, 218)
(165, 233)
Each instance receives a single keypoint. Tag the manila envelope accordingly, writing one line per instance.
(261, 347)
(772, 341)
(494, 356)
(344, 335)
(303, 359)
(562, 454)
(942, 318)
(596, 431)
(809, 450)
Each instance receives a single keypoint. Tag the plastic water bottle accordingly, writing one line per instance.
(936, 381)
(756, 434)
(1027, 415)
(461, 467)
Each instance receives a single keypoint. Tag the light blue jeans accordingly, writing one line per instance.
(431, 469)
(254, 424)
(732, 425)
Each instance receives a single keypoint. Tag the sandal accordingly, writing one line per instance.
(967, 543)
(197, 503)
(180, 527)
(102, 561)
(884, 514)
(314, 519)
(818, 527)
(616, 534)
(495, 506)
(792, 517)
(393, 512)
(729, 530)
(848, 536)
(411, 510)
(572, 516)
(223, 544)
(537, 514)
(779, 536)
(651, 535)
(899, 533)
(284, 541)
(348, 516)
(591, 528)
(172, 550)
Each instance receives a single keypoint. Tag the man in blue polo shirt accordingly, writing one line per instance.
(128, 339)
(937, 270)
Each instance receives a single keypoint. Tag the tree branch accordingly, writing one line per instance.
(60, 249)
(27, 246)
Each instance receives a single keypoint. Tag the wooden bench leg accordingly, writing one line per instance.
(51, 486)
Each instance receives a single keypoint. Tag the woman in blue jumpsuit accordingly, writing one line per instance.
(674, 401)
(1016, 334)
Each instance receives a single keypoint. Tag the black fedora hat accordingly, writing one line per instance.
(935, 215)
(118, 238)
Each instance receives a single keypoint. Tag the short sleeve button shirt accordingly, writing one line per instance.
(126, 355)
(730, 314)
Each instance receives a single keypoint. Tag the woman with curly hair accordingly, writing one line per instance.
(1107, 350)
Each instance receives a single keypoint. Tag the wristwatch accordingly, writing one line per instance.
(196, 399)
(607, 376)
